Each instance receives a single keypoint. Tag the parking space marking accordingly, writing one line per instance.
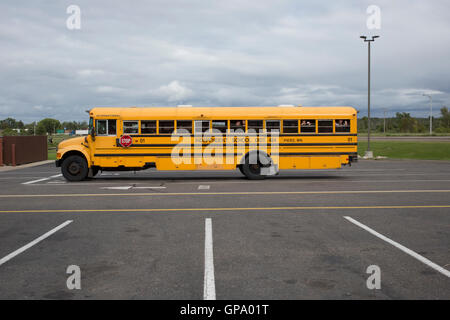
(203, 187)
(410, 252)
(117, 188)
(223, 209)
(209, 286)
(34, 242)
(150, 187)
(43, 179)
(248, 193)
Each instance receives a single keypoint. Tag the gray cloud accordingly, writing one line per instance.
(219, 53)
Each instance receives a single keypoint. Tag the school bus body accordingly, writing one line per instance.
(319, 142)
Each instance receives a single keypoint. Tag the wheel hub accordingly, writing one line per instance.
(74, 168)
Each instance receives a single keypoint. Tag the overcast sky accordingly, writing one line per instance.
(220, 53)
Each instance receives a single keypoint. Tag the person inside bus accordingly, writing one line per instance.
(239, 125)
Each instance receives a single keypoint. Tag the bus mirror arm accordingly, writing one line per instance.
(92, 133)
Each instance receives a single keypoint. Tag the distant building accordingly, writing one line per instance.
(81, 132)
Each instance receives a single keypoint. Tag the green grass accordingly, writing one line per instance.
(407, 149)
(57, 138)
(51, 154)
(391, 149)
(393, 134)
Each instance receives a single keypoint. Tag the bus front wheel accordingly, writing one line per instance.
(74, 168)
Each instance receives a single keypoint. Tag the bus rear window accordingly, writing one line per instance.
(148, 127)
(342, 125)
(166, 126)
(325, 126)
(290, 126)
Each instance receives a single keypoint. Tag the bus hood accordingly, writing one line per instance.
(69, 142)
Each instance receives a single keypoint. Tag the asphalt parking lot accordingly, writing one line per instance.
(299, 235)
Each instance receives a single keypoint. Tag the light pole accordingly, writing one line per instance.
(368, 154)
(431, 111)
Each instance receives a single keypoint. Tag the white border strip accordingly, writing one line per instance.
(32, 243)
(209, 287)
(43, 179)
(422, 259)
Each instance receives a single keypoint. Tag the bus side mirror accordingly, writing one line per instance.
(92, 133)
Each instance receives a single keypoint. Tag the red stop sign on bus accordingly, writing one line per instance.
(125, 141)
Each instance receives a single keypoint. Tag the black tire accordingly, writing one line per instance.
(252, 171)
(75, 168)
(240, 169)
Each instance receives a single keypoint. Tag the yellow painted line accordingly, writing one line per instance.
(212, 193)
(222, 209)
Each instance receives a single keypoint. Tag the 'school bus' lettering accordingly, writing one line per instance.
(259, 141)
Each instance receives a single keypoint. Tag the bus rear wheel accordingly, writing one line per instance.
(74, 168)
(252, 170)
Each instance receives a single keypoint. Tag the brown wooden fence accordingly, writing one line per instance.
(16, 150)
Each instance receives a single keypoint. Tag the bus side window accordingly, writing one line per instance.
(112, 131)
(325, 126)
(290, 126)
(100, 125)
(201, 126)
(184, 125)
(342, 125)
(307, 125)
(131, 127)
(148, 127)
(236, 125)
(256, 125)
(166, 126)
(221, 125)
(273, 125)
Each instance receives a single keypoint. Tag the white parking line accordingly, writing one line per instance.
(203, 187)
(131, 187)
(118, 188)
(43, 179)
(209, 287)
(32, 243)
(422, 259)
(158, 187)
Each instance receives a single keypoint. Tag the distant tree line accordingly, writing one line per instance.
(47, 126)
(404, 123)
(401, 123)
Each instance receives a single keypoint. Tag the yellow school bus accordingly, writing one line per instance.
(259, 141)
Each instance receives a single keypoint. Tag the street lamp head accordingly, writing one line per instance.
(374, 37)
(363, 37)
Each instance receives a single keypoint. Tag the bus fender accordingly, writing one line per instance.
(75, 150)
